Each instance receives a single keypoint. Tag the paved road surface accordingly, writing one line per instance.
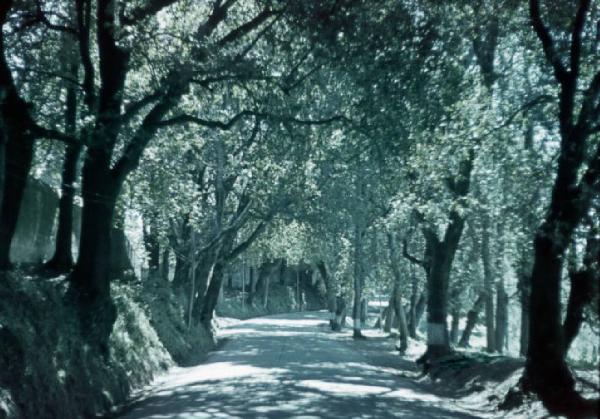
(289, 366)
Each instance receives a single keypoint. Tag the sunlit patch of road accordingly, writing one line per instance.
(288, 366)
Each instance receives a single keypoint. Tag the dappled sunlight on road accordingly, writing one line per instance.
(342, 388)
(289, 366)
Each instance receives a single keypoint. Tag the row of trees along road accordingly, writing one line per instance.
(447, 151)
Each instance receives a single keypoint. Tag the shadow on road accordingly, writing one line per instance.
(290, 366)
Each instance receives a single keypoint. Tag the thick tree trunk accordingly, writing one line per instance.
(205, 275)
(2, 164)
(438, 340)
(90, 279)
(546, 371)
(472, 317)
(212, 295)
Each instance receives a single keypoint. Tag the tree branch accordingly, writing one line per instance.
(543, 34)
(142, 136)
(40, 17)
(133, 108)
(83, 13)
(584, 5)
(52, 134)
(246, 28)
(242, 247)
(150, 8)
(226, 125)
(408, 256)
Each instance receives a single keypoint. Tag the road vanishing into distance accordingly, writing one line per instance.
(292, 366)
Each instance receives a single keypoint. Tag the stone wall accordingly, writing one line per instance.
(34, 238)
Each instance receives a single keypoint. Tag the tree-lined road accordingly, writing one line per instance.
(288, 366)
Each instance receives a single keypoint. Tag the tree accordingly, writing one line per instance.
(546, 370)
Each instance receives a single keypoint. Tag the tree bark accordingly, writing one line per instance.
(62, 261)
(388, 316)
(414, 298)
(454, 325)
(488, 285)
(546, 370)
(582, 289)
(439, 263)
(523, 285)
(212, 295)
(472, 317)
(501, 316)
(358, 283)
(330, 292)
(402, 345)
(164, 264)
(152, 246)
(90, 278)
(420, 309)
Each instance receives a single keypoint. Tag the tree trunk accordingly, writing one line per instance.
(439, 264)
(330, 292)
(472, 317)
(524, 287)
(180, 274)
(414, 298)
(212, 295)
(251, 285)
(164, 264)
(90, 279)
(546, 370)
(358, 284)
(488, 285)
(420, 309)
(62, 261)
(501, 316)
(152, 246)
(402, 345)
(388, 316)
(438, 341)
(266, 290)
(582, 288)
(454, 325)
